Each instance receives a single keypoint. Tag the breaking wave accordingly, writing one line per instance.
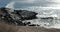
(10, 5)
(46, 11)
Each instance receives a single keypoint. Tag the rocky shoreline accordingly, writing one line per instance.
(17, 16)
(13, 21)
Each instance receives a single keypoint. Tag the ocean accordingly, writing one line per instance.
(47, 23)
(42, 12)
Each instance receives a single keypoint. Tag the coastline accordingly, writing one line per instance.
(12, 28)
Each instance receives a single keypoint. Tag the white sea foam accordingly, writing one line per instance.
(47, 23)
(10, 5)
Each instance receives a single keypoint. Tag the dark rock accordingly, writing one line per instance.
(47, 18)
(17, 16)
(27, 23)
(26, 14)
(5, 15)
(33, 25)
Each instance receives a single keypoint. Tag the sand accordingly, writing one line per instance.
(12, 28)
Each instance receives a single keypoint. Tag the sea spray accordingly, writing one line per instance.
(10, 5)
(47, 23)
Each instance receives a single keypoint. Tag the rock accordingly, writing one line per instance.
(26, 14)
(5, 15)
(17, 16)
(47, 18)
(27, 23)
(33, 25)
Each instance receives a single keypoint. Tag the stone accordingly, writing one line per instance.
(17, 16)
(26, 14)
(47, 18)
(33, 25)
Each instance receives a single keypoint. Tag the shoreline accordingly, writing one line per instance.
(12, 28)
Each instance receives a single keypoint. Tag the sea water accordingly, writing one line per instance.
(47, 23)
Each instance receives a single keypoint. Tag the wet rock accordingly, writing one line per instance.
(47, 18)
(33, 25)
(26, 14)
(5, 15)
(17, 16)
(27, 23)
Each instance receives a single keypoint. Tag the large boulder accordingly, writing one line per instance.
(25, 14)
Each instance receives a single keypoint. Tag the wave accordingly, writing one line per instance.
(42, 12)
(10, 5)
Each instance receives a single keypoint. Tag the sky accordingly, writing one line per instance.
(29, 3)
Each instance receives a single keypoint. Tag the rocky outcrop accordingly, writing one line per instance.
(17, 16)
(26, 14)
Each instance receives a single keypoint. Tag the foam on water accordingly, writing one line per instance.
(50, 23)
(47, 23)
(10, 5)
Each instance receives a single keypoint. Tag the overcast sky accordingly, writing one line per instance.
(28, 3)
